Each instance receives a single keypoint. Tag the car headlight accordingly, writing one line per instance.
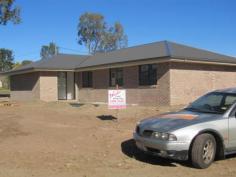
(164, 136)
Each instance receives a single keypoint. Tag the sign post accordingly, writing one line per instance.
(117, 99)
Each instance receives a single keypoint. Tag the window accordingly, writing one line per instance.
(87, 79)
(116, 77)
(148, 74)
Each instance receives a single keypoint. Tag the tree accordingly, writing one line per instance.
(113, 39)
(26, 62)
(90, 30)
(19, 64)
(98, 36)
(47, 51)
(16, 65)
(8, 12)
(6, 59)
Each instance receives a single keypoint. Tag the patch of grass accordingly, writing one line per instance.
(4, 91)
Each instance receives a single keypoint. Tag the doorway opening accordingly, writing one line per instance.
(66, 86)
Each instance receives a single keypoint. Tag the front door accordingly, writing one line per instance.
(62, 86)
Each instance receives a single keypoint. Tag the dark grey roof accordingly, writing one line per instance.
(157, 50)
(57, 62)
(192, 53)
(154, 50)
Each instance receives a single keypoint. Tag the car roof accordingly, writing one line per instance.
(227, 90)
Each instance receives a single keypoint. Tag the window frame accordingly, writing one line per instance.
(116, 71)
(87, 79)
(151, 75)
(233, 111)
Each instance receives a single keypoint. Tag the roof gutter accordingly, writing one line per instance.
(150, 61)
(30, 70)
(184, 60)
(124, 64)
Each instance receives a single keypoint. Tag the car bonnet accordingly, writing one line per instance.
(172, 121)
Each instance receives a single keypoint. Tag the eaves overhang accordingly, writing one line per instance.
(122, 64)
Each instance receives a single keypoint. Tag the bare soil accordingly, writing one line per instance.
(70, 140)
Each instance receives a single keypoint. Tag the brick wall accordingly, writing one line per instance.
(143, 95)
(101, 79)
(177, 83)
(189, 81)
(48, 86)
(131, 79)
(163, 84)
(25, 86)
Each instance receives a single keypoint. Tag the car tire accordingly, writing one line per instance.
(203, 151)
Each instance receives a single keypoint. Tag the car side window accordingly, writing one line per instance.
(233, 112)
(229, 100)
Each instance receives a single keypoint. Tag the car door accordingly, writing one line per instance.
(232, 126)
(232, 132)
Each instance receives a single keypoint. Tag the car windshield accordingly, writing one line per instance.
(214, 102)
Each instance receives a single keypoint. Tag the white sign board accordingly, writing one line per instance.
(116, 99)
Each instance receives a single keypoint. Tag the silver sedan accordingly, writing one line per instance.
(202, 132)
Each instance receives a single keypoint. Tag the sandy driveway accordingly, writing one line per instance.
(62, 140)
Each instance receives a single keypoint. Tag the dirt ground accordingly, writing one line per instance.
(70, 140)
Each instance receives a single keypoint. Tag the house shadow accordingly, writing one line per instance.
(77, 105)
(96, 105)
(107, 117)
(129, 148)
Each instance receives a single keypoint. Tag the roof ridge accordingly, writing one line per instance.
(135, 46)
(72, 54)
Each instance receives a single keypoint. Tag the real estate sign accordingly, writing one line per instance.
(116, 99)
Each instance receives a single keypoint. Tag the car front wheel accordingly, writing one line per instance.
(203, 151)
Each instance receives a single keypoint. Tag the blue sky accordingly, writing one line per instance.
(208, 24)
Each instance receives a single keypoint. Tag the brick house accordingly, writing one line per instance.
(161, 73)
